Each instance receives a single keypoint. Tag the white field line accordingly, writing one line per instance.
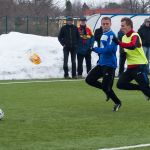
(127, 147)
(38, 81)
(42, 81)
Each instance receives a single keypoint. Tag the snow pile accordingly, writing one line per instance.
(16, 49)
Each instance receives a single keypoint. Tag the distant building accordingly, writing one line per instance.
(104, 11)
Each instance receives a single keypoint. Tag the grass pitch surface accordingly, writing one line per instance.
(70, 116)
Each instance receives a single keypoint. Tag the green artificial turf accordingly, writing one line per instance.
(70, 116)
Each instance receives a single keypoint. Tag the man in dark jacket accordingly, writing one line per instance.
(144, 32)
(68, 38)
(97, 35)
(122, 54)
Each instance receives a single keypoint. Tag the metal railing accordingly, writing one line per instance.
(44, 26)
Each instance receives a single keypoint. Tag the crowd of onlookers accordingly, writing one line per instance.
(78, 41)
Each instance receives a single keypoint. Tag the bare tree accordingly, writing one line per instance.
(29, 7)
(133, 6)
(85, 7)
(68, 8)
(136, 6)
(112, 5)
(144, 5)
(77, 8)
(7, 7)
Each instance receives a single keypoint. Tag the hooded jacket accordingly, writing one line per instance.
(144, 33)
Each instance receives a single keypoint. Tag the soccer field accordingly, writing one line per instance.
(70, 116)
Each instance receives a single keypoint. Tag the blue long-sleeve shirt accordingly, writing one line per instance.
(107, 50)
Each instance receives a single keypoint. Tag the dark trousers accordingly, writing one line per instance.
(122, 60)
(139, 75)
(72, 51)
(107, 74)
(80, 59)
(147, 53)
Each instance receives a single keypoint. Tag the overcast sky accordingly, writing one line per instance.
(93, 2)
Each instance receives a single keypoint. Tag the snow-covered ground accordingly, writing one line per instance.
(16, 49)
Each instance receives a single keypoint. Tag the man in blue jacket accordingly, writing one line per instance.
(106, 65)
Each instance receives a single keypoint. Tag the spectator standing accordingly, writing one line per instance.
(144, 32)
(84, 46)
(122, 54)
(69, 38)
(97, 35)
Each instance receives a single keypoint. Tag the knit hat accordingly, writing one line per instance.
(82, 18)
(69, 18)
(146, 20)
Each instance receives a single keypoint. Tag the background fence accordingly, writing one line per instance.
(44, 26)
(34, 25)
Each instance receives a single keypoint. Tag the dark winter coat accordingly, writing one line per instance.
(120, 35)
(69, 36)
(121, 50)
(97, 35)
(144, 33)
